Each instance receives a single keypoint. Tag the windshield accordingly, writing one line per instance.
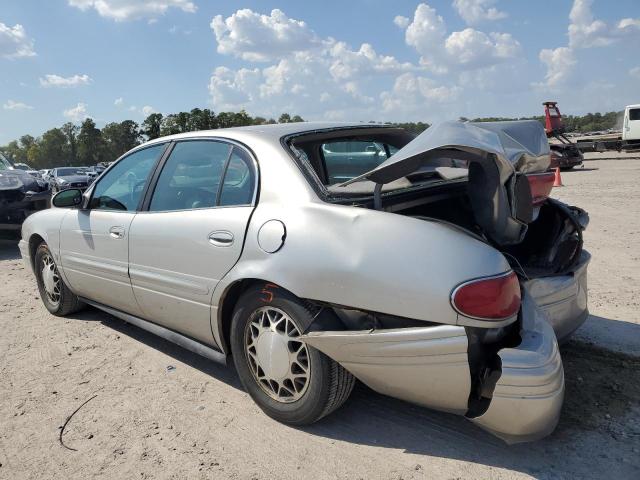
(65, 172)
(4, 163)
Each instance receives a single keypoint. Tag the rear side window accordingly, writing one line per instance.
(121, 187)
(634, 114)
(238, 186)
(347, 159)
(191, 176)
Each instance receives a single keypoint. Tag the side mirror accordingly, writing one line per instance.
(68, 198)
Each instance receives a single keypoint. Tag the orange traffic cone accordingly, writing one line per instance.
(557, 182)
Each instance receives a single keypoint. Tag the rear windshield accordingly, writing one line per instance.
(339, 156)
(347, 159)
(634, 114)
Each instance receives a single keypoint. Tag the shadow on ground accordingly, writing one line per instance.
(596, 429)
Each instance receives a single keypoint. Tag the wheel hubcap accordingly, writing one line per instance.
(51, 279)
(277, 359)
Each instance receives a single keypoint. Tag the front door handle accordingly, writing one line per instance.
(116, 232)
(221, 238)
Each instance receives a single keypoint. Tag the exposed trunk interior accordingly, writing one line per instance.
(552, 242)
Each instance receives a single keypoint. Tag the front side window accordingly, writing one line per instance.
(347, 159)
(192, 176)
(634, 114)
(121, 187)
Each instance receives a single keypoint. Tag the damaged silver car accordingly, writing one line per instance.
(434, 269)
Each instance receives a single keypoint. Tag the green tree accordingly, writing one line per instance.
(284, 118)
(119, 138)
(52, 150)
(71, 133)
(152, 125)
(90, 144)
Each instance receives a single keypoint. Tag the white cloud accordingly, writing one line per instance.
(65, 82)
(323, 77)
(629, 24)
(560, 63)
(302, 68)
(402, 22)
(14, 42)
(261, 38)
(13, 105)
(148, 110)
(477, 11)
(77, 113)
(635, 72)
(118, 102)
(468, 48)
(123, 10)
(410, 94)
(585, 31)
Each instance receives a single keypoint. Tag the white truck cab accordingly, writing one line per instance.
(631, 125)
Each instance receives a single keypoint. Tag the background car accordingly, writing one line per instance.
(21, 194)
(94, 171)
(62, 178)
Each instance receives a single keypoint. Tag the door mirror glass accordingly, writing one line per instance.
(68, 198)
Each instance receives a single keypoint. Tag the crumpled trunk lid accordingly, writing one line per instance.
(498, 156)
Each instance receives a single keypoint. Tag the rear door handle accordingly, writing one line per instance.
(221, 238)
(116, 232)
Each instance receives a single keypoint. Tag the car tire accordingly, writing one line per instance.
(55, 294)
(256, 340)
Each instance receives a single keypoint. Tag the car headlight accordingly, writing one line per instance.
(10, 182)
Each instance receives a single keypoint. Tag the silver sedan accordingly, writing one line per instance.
(434, 268)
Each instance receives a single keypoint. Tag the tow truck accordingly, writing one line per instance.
(628, 140)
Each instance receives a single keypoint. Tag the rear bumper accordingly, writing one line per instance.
(430, 366)
(563, 298)
(528, 396)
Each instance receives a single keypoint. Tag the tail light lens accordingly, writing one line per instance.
(492, 298)
(540, 185)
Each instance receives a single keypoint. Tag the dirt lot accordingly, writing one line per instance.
(162, 412)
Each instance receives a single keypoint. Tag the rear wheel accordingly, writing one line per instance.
(290, 381)
(54, 293)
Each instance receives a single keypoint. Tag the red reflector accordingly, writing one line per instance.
(493, 298)
(540, 185)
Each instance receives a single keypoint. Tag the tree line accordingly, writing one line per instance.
(591, 122)
(86, 144)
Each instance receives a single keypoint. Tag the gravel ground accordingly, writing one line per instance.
(162, 412)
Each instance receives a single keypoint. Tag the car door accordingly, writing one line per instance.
(94, 241)
(191, 233)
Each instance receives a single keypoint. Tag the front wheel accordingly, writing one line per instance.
(289, 380)
(55, 294)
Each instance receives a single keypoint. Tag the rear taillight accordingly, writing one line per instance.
(540, 185)
(490, 298)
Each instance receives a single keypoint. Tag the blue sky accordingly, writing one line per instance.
(63, 60)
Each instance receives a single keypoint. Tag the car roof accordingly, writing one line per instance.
(271, 132)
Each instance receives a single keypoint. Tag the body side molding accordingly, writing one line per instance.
(174, 337)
